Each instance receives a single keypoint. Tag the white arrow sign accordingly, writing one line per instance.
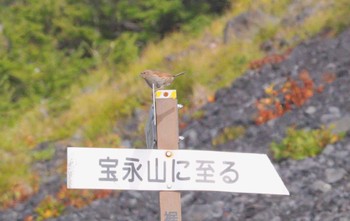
(175, 170)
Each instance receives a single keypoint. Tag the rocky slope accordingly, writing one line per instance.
(319, 186)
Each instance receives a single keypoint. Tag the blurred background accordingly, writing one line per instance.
(69, 75)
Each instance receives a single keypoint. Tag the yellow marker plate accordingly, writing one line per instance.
(161, 94)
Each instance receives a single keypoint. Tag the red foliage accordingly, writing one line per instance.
(294, 93)
(269, 59)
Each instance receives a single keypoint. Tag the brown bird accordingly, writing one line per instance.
(158, 78)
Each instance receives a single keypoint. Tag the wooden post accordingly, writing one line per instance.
(168, 138)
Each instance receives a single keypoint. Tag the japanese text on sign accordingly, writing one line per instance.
(152, 169)
(132, 169)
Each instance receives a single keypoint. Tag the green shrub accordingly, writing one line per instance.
(45, 154)
(228, 134)
(300, 144)
(49, 207)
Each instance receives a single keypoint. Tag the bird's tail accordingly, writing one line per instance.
(179, 74)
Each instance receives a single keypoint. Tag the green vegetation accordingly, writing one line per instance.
(198, 114)
(300, 144)
(228, 134)
(48, 46)
(70, 68)
(45, 154)
(49, 208)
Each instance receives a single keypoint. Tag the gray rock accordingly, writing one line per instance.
(326, 118)
(187, 199)
(331, 67)
(214, 132)
(319, 185)
(345, 218)
(329, 149)
(211, 211)
(11, 215)
(132, 203)
(126, 144)
(271, 123)
(310, 110)
(136, 194)
(191, 136)
(334, 174)
(276, 218)
(341, 125)
(198, 212)
(217, 209)
(335, 111)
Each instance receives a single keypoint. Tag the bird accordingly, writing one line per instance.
(158, 78)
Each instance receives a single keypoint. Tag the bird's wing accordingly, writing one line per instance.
(162, 74)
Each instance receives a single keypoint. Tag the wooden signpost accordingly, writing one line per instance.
(168, 139)
(168, 169)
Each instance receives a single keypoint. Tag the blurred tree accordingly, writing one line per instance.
(47, 45)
